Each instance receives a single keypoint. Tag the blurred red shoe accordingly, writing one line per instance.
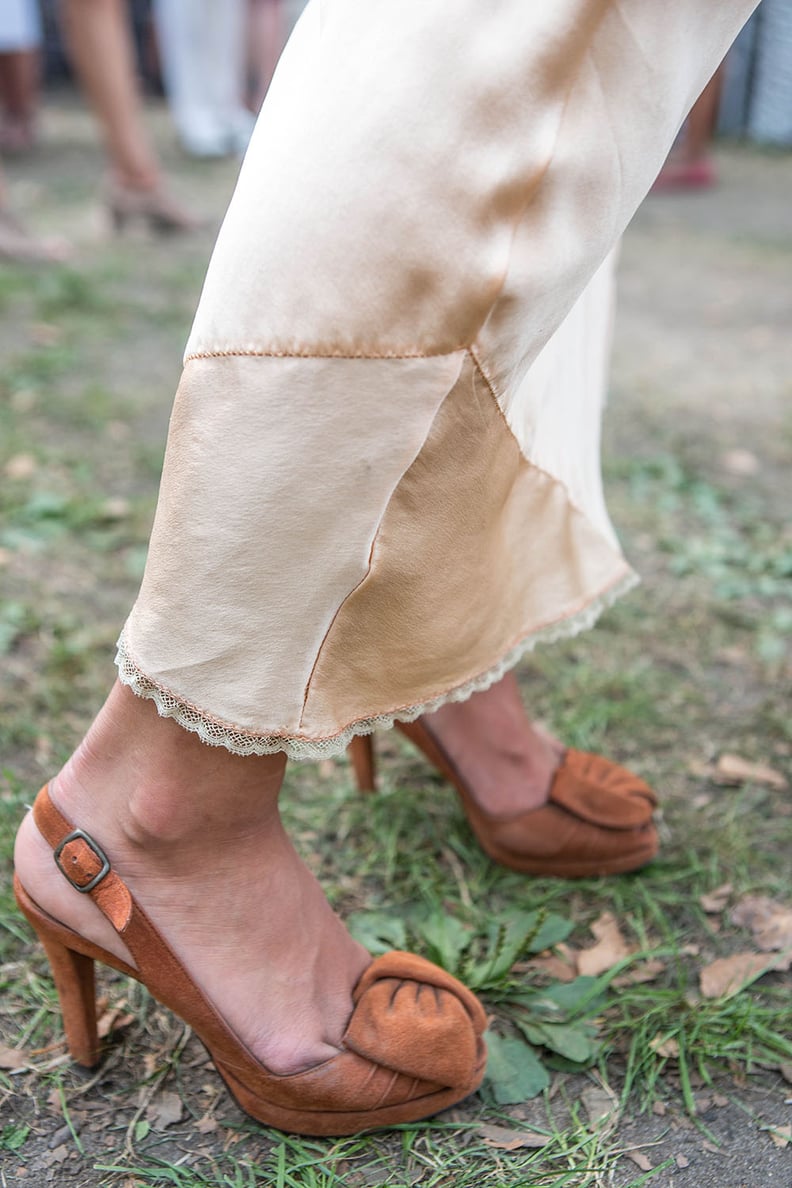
(687, 175)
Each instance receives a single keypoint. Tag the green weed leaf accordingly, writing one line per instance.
(514, 1071)
(573, 1041)
(377, 931)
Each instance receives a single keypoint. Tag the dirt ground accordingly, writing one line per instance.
(698, 445)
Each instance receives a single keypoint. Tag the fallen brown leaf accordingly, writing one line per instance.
(645, 971)
(781, 1135)
(786, 1070)
(610, 949)
(113, 1020)
(733, 769)
(711, 1147)
(505, 1139)
(660, 1108)
(12, 1057)
(682, 1161)
(769, 921)
(206, 1125)
(740, 462)
(601, 1105)
(58, 1155)
(640, 1160)
(165, 1110)
(715, 901)
(729, 975)
(554, 966)
(665, 1046)
(20, 466)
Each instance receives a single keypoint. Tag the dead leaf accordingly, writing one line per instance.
(665, 1046)
(781, 1135)
(682, 1161)
(610, 949)
(165, 1110)
(21, 466)
(45, 333)
(645, 971)
(113, 1020)
(740, 462)
(601, 1105)
(729, 975)
(555, 967)
(719, 1100)
(640, 1160)
(660, 1108)
(505, 1139)
(115, 509)
(58, 1155)
(786, 1070)
(715, 901)
(206, 1125)
(12, 1057)
(711, 1147)
(769, 921)
(733, 769)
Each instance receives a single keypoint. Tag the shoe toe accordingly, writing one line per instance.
(596, 790)
(413, 1017)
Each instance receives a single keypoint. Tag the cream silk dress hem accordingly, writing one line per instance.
(382, 484)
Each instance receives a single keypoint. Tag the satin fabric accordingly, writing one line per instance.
(381, 484)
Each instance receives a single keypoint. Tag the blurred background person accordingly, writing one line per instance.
(20, 42)
(101, 51)
(203, 55)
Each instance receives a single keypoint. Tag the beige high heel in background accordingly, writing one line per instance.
(154, 206)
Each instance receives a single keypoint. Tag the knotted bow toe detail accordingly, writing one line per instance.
(416, 1019)
(597, 821)
(412, 1046)
(602, 793)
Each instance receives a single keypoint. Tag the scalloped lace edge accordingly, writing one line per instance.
(244, 742)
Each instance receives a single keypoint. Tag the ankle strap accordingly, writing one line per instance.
(83, 862)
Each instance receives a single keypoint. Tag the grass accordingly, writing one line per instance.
(694, 664)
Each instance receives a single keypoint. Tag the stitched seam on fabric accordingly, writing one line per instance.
(529, 461)
(374, 539)
(262, 354)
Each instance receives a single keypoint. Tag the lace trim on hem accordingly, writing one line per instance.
(242, 742)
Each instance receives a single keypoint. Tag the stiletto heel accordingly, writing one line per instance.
(73, 975)
(413, 1044)
(363, 759)
(597, 820)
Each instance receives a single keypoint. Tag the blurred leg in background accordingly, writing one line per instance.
(99, 43)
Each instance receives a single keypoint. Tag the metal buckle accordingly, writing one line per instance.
(80, 835)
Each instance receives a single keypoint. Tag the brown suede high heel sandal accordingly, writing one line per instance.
(412, 1047)
(597, 821)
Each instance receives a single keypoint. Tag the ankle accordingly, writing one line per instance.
(152, 787)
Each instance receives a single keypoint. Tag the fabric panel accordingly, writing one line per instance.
(478, 549)
(266, 520)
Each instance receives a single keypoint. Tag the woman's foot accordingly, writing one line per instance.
(507, 761)
(534, 806)
(196, 835)
(149, 201)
